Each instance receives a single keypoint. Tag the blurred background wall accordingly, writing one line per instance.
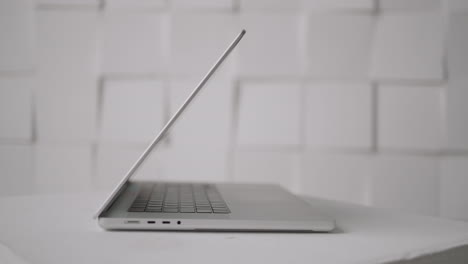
(361, 101)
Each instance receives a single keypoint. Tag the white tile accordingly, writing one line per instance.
(194, 164)
(339, 4)
(337, 177)
(175, 164)
(132, 110)
(457, 5)
(269, 114)
(408, 47)
(197, 41)
(269, 5)
(16, 108)
(133, 42)
(457, 46)
(409, 5)
(17, 35)
(453, 186)
(62, 169)
(66, 116)
(112, 164)
(410, 117)
(67, 47)
(338, 115)
(135, 5)
(16, 168)
(207, 122)
(267, 167)
(66, 79)
(71, 3)
(456, 115)
(271, 46)
(114, 161)
(338, 45)
(407, 183)
(202, 4)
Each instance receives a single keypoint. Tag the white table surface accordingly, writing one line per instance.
(60, 229)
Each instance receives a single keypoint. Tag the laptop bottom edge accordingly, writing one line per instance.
(214, 225)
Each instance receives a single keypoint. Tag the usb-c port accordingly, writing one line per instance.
(166, 222)
(151, 222)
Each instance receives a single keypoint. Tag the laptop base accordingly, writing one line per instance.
(253, 207)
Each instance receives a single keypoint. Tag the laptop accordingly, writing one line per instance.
(158, 205)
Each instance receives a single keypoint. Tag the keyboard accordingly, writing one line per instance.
(179, 198)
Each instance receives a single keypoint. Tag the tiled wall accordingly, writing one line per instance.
(363, 101)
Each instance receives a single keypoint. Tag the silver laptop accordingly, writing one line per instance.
(155, 205)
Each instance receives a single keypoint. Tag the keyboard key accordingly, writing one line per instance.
(221, 211)
(139, 205)
(203, 207)
(203, 210)
(153, 210)
(187, 210)
(153, 207)
(170, 210)
(219, 207)
(134, 209)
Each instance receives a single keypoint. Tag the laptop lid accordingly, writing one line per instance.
(109, 200)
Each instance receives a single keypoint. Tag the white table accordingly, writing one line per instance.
(60, 229)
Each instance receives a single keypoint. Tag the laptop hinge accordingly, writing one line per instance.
(112, 201)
